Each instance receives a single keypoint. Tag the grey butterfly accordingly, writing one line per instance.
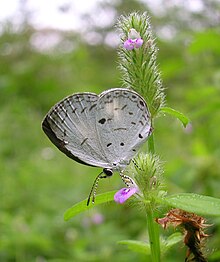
(103, 130)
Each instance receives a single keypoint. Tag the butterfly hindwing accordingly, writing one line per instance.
(123, 124)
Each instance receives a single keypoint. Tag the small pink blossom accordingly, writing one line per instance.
(124, 193)
(134, 40)
(139, 42)
(133, 43)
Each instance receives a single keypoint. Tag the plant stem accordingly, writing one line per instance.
(151, 144)
(153, 232)
(153, 229)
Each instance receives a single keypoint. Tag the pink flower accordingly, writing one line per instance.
(133, 43)
(134, 40)
(124, 193)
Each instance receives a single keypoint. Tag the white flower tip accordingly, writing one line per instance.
(133, 34)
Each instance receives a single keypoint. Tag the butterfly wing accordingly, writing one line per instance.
(123, 124)
(70, 125)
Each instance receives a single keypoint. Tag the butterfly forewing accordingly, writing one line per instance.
(70, 125)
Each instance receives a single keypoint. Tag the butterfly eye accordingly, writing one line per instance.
(107, 171)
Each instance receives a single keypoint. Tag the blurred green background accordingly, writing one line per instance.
(39, 67)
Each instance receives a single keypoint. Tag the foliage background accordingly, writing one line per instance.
(38, 183)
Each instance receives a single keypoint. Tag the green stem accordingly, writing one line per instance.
(153, 232)
(151, 144)
(153, 229)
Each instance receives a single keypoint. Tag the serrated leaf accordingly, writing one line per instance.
(82, 206)
(177, 114)
(137, 246)
(199, 204)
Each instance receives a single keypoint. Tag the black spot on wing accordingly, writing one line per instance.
(102, 121)
(120, 128)
(84, 140)
(124, 107)
(83, 110)
(92, 107)
(141, 102)
(140, 136)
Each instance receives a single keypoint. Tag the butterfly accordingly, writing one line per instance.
(103, 130)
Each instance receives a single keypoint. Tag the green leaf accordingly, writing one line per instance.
(177, 114)
(173, 240)
(199, 204)
(82, 206)
(166, 244)
(137, 246)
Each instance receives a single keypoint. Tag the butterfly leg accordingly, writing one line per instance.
(129, 182)
(136, 165)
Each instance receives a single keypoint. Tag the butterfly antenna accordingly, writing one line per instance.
(94, 188)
